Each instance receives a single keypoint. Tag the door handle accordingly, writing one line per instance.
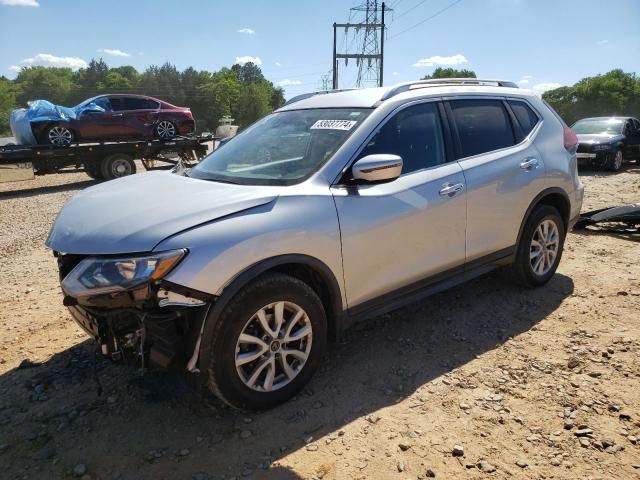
(449, 189)
(529, 163)
(116, 115)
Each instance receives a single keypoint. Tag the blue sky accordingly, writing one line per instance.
(540, 43)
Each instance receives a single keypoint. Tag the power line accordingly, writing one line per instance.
(426, 19)
(409, 10)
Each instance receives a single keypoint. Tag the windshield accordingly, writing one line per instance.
(607, 125)
(281, 149)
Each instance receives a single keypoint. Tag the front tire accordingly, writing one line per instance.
(267, 343)
(615, 163)
(59, 135)
(540, 249)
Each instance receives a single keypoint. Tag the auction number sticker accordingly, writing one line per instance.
(333, 125)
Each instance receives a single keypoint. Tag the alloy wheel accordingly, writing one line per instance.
(273, 347)
(544, 247)
(60, 136)
(617, 161)
(166, 129)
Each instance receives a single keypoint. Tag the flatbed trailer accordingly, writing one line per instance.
(103, 160)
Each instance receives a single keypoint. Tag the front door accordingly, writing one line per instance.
(98, 125)
(397, 233)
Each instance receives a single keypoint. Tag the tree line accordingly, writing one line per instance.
(241, 91)
(615, 93)
(244, 93)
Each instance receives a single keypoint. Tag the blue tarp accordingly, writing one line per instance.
(43, 111)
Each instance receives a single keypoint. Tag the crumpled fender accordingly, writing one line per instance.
(41, 111)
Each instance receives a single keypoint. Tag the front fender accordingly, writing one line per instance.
(219, 252)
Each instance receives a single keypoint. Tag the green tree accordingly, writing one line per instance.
(248, 73)
(54, 84)
(450, 73)
(254, 102)
(612, 93)
(7, 103)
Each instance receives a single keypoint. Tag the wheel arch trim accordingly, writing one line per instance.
(551, 191)
(334, 316)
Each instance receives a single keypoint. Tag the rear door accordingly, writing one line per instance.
(502, 168)
(397, 233)
(139, 115)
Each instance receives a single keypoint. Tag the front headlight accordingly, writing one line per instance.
(96, 276)
(600, 148)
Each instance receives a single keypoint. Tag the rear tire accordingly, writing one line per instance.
(254, 368)
(615, 163)
(165, 130)
(540, 249)
(117, 165)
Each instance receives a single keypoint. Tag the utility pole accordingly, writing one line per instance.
(370, 57)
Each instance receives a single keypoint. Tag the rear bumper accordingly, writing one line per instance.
(186, 127)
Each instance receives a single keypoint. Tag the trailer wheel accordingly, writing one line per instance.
(93, 171)
(117, 165)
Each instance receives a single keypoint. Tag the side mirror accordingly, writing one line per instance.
(379, 167)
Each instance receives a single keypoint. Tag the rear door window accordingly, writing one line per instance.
(135, 103)
(152, 104)
(527, 118)
(483, 126)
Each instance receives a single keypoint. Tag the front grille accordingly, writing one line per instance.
(67, 262)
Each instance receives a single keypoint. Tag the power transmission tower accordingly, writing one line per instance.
(324, 80)
(370, 58)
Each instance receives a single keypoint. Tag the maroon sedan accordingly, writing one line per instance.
(116, 117)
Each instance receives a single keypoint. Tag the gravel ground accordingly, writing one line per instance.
(483, 381)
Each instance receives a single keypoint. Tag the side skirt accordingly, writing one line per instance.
(427, 287)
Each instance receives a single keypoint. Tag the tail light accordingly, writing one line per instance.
(188, 114)
(570, 140)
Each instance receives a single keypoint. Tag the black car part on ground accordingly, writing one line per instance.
(90, 157)
(621, 219)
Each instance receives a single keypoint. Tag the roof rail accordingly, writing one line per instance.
(303, 96)
(436, 82)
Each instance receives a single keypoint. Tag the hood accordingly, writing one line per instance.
(135, 213)
(596, 138)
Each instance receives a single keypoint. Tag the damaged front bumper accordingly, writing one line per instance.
(155, 324)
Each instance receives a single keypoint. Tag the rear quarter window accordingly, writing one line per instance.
(483, 126)
(526, 117)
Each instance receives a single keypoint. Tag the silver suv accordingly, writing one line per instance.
(337, 207)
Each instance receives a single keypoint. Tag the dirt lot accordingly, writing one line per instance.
(534, 384)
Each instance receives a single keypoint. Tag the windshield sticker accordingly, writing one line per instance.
(333, 125)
